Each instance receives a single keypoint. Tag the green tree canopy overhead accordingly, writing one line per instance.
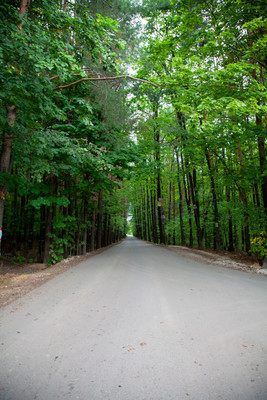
(185, 140)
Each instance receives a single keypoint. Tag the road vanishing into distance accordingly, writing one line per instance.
(138, 322)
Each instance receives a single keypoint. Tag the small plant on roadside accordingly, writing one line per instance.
(259, 247)
(56, 250)
(18, 259)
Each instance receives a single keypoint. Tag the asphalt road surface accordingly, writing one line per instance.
(138, 322)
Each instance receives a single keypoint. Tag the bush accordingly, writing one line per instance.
(259, 247)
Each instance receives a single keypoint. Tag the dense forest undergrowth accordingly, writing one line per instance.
(173, 151)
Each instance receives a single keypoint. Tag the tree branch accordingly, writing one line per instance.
(108, 78)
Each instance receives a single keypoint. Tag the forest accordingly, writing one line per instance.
(140, 117)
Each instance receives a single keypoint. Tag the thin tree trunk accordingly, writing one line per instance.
(109, 230)
(154, 217)
(256, 190)
(243, 198)
(180, 200)
(169, 210)
(99, 219)
(149, 215)
(5, 158)
(51, 210)
(230, 223)
(216, 230)
(187, 200)
(195, 202)
(85, 230)
(173, 213)
(47, 234)
(262, 158)
(104, 241)
(161, 216)
(92, 236)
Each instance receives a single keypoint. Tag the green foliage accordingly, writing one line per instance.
(195, 139)
(259, 247)
(18, 259)
(207, 59)
(56, 250)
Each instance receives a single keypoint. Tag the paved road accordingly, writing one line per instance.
(138, 322)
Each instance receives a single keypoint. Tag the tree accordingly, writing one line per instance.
(209, 59)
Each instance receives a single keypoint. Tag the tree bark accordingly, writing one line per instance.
(99, 219)
(194, 196)
(154, 216)
(161, 216)
(216, 230)
(47, 234)
(187, 199)
(180, 199)
(244, 200)
(5, 159)
(262, 158)
(85, 230)
(92, 237)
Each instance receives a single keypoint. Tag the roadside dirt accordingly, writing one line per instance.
(239, 261)
(233, 260)
(18, 279)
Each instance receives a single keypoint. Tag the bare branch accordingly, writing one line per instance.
(58, 76)
(54, 77)
(108, 78)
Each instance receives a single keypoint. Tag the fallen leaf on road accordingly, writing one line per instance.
(143, 344)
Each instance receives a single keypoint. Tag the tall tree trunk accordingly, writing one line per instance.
(85, 229)
(187, 200)
(51, 210)
(154, 216)
(256, 190)
(261, 139)
(262, 158)
(194, 196)
(173, 213)
(169, 210)
(161, 216)
(109, 230)
(243, 198)
(105, 231)
(48, 230)
(92, 236)
(99, 219)
(180, 199)
(216, 230)
(24, 5)
(230, 223)
(149, 214)
(5, 158)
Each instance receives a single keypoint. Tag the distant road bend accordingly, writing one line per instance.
(137, 322)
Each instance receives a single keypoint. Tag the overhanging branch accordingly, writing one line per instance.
(108, 78)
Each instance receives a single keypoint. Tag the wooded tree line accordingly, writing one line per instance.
(63, 141)
(202, 180)
(182, 146)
